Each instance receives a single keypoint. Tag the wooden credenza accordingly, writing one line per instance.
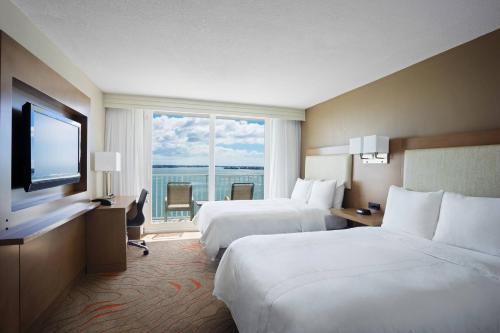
(40, 260)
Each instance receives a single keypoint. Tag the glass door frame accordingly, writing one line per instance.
(150, 226)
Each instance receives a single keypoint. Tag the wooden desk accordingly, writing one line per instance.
(106, 239)
(374, 220)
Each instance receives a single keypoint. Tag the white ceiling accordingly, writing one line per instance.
(282, 52)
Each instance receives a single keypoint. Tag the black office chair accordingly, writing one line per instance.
(135, 219)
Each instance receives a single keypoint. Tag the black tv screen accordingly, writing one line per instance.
(52, 148)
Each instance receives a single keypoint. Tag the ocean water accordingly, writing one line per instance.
(198, 177)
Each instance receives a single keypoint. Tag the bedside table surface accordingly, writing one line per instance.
(374, 220)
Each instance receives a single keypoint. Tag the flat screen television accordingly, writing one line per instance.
(51, 148)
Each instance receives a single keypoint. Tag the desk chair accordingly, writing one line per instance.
(179, 198)
(136, 218)
(241, 191)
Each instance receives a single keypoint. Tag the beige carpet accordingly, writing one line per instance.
(168, 291)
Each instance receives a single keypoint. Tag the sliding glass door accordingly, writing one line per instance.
(207, 153)
(180, 157)
(239, 155)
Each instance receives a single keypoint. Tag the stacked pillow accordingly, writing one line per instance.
(470, 222)
(302, 190)
(467, 222)
(323, 194)
(414, 213)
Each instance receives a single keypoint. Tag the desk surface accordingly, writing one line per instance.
(37, 227)
(374, 220)
(120, 202)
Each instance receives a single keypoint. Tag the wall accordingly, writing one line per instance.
(18, 26)
(455, 91)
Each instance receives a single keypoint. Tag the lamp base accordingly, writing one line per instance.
(107, 188)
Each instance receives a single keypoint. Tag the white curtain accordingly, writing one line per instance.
(129, 133)
(284, 157)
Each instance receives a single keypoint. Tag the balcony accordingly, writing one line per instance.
(200, 190)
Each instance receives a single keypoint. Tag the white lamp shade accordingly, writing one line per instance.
(107, 161)
(375, 144)
(355, 146)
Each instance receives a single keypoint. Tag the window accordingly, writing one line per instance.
(211, 153)
(239, 155)
(180, 154)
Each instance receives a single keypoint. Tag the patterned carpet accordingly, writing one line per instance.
(168, 291)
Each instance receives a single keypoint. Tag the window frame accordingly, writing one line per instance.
(212, 144)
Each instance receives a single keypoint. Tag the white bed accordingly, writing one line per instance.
(378, 279)
(358, 280)
(222, 222)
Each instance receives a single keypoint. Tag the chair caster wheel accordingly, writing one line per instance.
(143, 243)
(146, 252)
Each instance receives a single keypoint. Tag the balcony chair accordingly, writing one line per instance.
(179, 198)
(135, 218)
(241, 191)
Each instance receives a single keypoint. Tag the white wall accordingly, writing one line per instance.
(17, 25)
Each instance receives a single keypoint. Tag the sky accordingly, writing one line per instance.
(179, 140)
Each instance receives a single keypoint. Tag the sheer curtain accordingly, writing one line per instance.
(284, 157)
(129, 133)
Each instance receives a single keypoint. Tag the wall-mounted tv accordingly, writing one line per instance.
(51, 148)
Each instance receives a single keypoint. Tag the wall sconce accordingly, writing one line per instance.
(372, 149)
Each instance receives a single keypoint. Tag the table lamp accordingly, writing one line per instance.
(107, 162)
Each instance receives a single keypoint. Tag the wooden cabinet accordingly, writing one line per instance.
(107, 236)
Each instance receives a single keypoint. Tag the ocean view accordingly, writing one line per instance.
(225, 176)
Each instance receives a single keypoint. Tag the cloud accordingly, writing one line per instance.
(185, 140)
(230, 132)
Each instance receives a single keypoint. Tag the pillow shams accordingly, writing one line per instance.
(302, 190)
(322, 194)
(470, 222)
(338, 197)
(411, 212)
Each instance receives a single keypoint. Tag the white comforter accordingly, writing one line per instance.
(222, 222)
(358, 280)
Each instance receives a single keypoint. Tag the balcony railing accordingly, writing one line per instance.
(200, 189)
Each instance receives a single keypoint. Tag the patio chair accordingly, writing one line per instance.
(241, 191)
(179, 198)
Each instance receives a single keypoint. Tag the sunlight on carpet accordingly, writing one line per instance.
(169, 236)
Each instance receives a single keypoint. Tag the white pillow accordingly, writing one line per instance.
(470, 222)
(322, 194)
(412, 212)
(338, 197)
(302, 190)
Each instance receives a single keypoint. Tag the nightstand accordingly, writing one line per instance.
(374, 220)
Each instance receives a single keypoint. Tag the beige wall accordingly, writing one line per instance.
(455, 91)
(18, 26)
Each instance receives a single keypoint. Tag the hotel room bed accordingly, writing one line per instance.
(358, 280)
(433, 266)
(222, 222)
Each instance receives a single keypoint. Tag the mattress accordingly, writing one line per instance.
(222, 222)
(358, 280)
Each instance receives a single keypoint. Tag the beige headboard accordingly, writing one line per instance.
(338, 167)
(473, 171)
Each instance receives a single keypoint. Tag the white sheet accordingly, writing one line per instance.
(222, 222)
(358, 280)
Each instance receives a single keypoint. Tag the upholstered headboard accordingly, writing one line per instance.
(473, 171)
(338, 167)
